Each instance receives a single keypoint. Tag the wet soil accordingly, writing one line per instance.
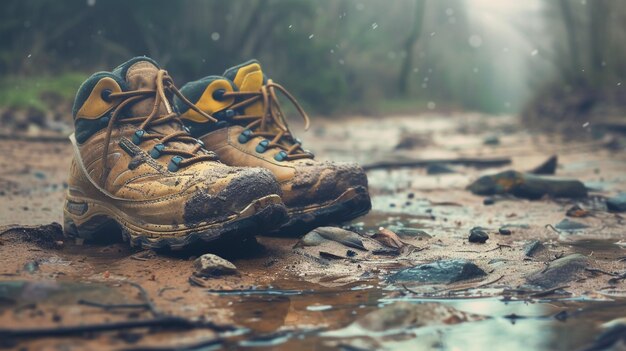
(289, 296)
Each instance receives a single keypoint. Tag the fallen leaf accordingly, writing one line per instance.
(388, 238)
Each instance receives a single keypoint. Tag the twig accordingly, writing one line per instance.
(549, 291)
(468, 161)
(202, 345)
(458, 289)
(500, 246)
(596, 270)
(134, 257)
(167, 322)
(114, 306)
(550, 226)
(617, 279)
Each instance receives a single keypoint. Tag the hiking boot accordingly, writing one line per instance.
(136, 165)
(252, 131)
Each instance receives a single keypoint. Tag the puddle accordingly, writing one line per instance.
(286, 322)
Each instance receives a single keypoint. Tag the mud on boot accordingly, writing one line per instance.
(252, 131)
(137, 166)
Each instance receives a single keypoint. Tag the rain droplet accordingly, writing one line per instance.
(433, 34)
(374, 25)
(475, 41)
(332, 51)
(311, 36)
(619, 83)
(341, 62)
(431, 105)
(29, 55)
(586, 124)
(290, 26)
(534, 52)
(91, 2)
(215, 36)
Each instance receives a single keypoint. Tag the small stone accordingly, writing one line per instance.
(489, 201)
(212, 265)
(478, 235)
(533, 247)
(617, 203)
(350, 253)
(560, 271)
(439, 272)
(504, 231)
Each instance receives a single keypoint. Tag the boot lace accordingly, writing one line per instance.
(164, 84)
(279, 137)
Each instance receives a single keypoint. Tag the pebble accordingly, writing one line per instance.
(478, 235)
(212, 265)
(504, 231)
(439, 272)
(560, 271)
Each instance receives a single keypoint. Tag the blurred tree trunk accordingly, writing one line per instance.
(571, 70)
(409, 45)
(598, 20)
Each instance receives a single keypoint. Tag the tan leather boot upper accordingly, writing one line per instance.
(252, 131)
(134, 163)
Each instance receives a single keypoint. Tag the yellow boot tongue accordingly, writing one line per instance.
(249, 77)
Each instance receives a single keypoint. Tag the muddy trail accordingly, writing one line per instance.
(456, 254)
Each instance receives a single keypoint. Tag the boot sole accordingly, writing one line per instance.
(261, 215)
(353, 203)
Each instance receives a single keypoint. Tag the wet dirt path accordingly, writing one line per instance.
(287, 295)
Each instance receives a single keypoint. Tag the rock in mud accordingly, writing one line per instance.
(528, 186)
(342, 236)
(478, 235)
(403, 315)
(209, 265)
(533, 247)
(560, 271)
(504, 231)
(568, 225)
(438, 168)
(439, 272)
(548, 167)
(617, 203)
(311, 239)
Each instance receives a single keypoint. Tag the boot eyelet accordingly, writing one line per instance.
(245, 136)
(281, 156)
(156, 151)
(138, 136)
(229, 114)
(106, 95)
(262, 146)
(174, 162)
(218, 94)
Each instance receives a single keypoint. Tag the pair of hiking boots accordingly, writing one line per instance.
(212, 161)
